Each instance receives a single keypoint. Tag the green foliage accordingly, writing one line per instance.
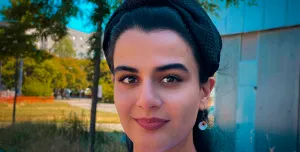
(64, 48)
(36, 88)
(237, 2)
(73, 73)
(8, 66)
(101, 11)
(40, 78)
(106, 82)
(32, 20)
(44, 72)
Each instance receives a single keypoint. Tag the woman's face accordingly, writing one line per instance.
(157, 91)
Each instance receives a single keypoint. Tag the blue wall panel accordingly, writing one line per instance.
(293, 15)
(267, 14)
(245, 110)
(226, 88)
(245, 134)
(248, 73)
(275, 13)
(278, 66)
(253, 18)
(220, 21)
(235, 15)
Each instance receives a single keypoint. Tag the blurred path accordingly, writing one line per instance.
(111, 127)
(86, 104)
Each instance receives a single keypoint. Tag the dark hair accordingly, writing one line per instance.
(149, 19)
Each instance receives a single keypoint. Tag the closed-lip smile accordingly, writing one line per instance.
(152, 123)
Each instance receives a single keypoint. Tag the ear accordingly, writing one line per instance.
(205, 91)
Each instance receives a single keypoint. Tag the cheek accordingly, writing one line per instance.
(124, 101)
(183, 104)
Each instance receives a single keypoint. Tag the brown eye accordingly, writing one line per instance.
(171, 79)
(128, 79)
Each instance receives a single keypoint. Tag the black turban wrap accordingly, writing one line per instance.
(198, 23)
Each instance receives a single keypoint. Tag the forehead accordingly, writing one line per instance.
(143, 50)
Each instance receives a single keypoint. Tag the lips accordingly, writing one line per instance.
(151, 123)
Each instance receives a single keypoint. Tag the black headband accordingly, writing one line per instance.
(200, 26)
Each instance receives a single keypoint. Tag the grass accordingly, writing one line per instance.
(71, 136)
(56, 111)
(55, 127)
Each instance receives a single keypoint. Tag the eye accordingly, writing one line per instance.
(171, 79)
(128, 79)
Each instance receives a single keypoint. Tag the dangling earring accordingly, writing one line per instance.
(203, 124)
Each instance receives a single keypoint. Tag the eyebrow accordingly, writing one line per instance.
(177, 66)
(125, 68)
(163, 68)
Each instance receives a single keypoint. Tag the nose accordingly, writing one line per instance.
(148, 98)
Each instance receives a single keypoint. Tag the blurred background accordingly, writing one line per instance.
(52, 73)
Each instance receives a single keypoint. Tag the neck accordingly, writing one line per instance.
(187, 144)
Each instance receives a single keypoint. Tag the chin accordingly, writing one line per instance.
(151, 146)
(152, 143)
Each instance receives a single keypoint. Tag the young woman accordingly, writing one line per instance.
(163, 55)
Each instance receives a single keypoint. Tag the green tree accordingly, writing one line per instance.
(73, 71)
(8, 73)
(29, 21)
(64, 48)
(40, 78)
(106, 82)
(102, 10)
(41, 72)
(33, 20)
(34, 87)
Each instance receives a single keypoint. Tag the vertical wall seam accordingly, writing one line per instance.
(298, 124)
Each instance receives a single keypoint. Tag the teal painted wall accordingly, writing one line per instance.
(258, 90)
(267, 14)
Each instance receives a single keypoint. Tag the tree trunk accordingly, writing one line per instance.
(97, 71)
(20, 77)
(0, 75)
(16, 92)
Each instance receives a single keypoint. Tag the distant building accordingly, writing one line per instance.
(79, 39)
(80, 43)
